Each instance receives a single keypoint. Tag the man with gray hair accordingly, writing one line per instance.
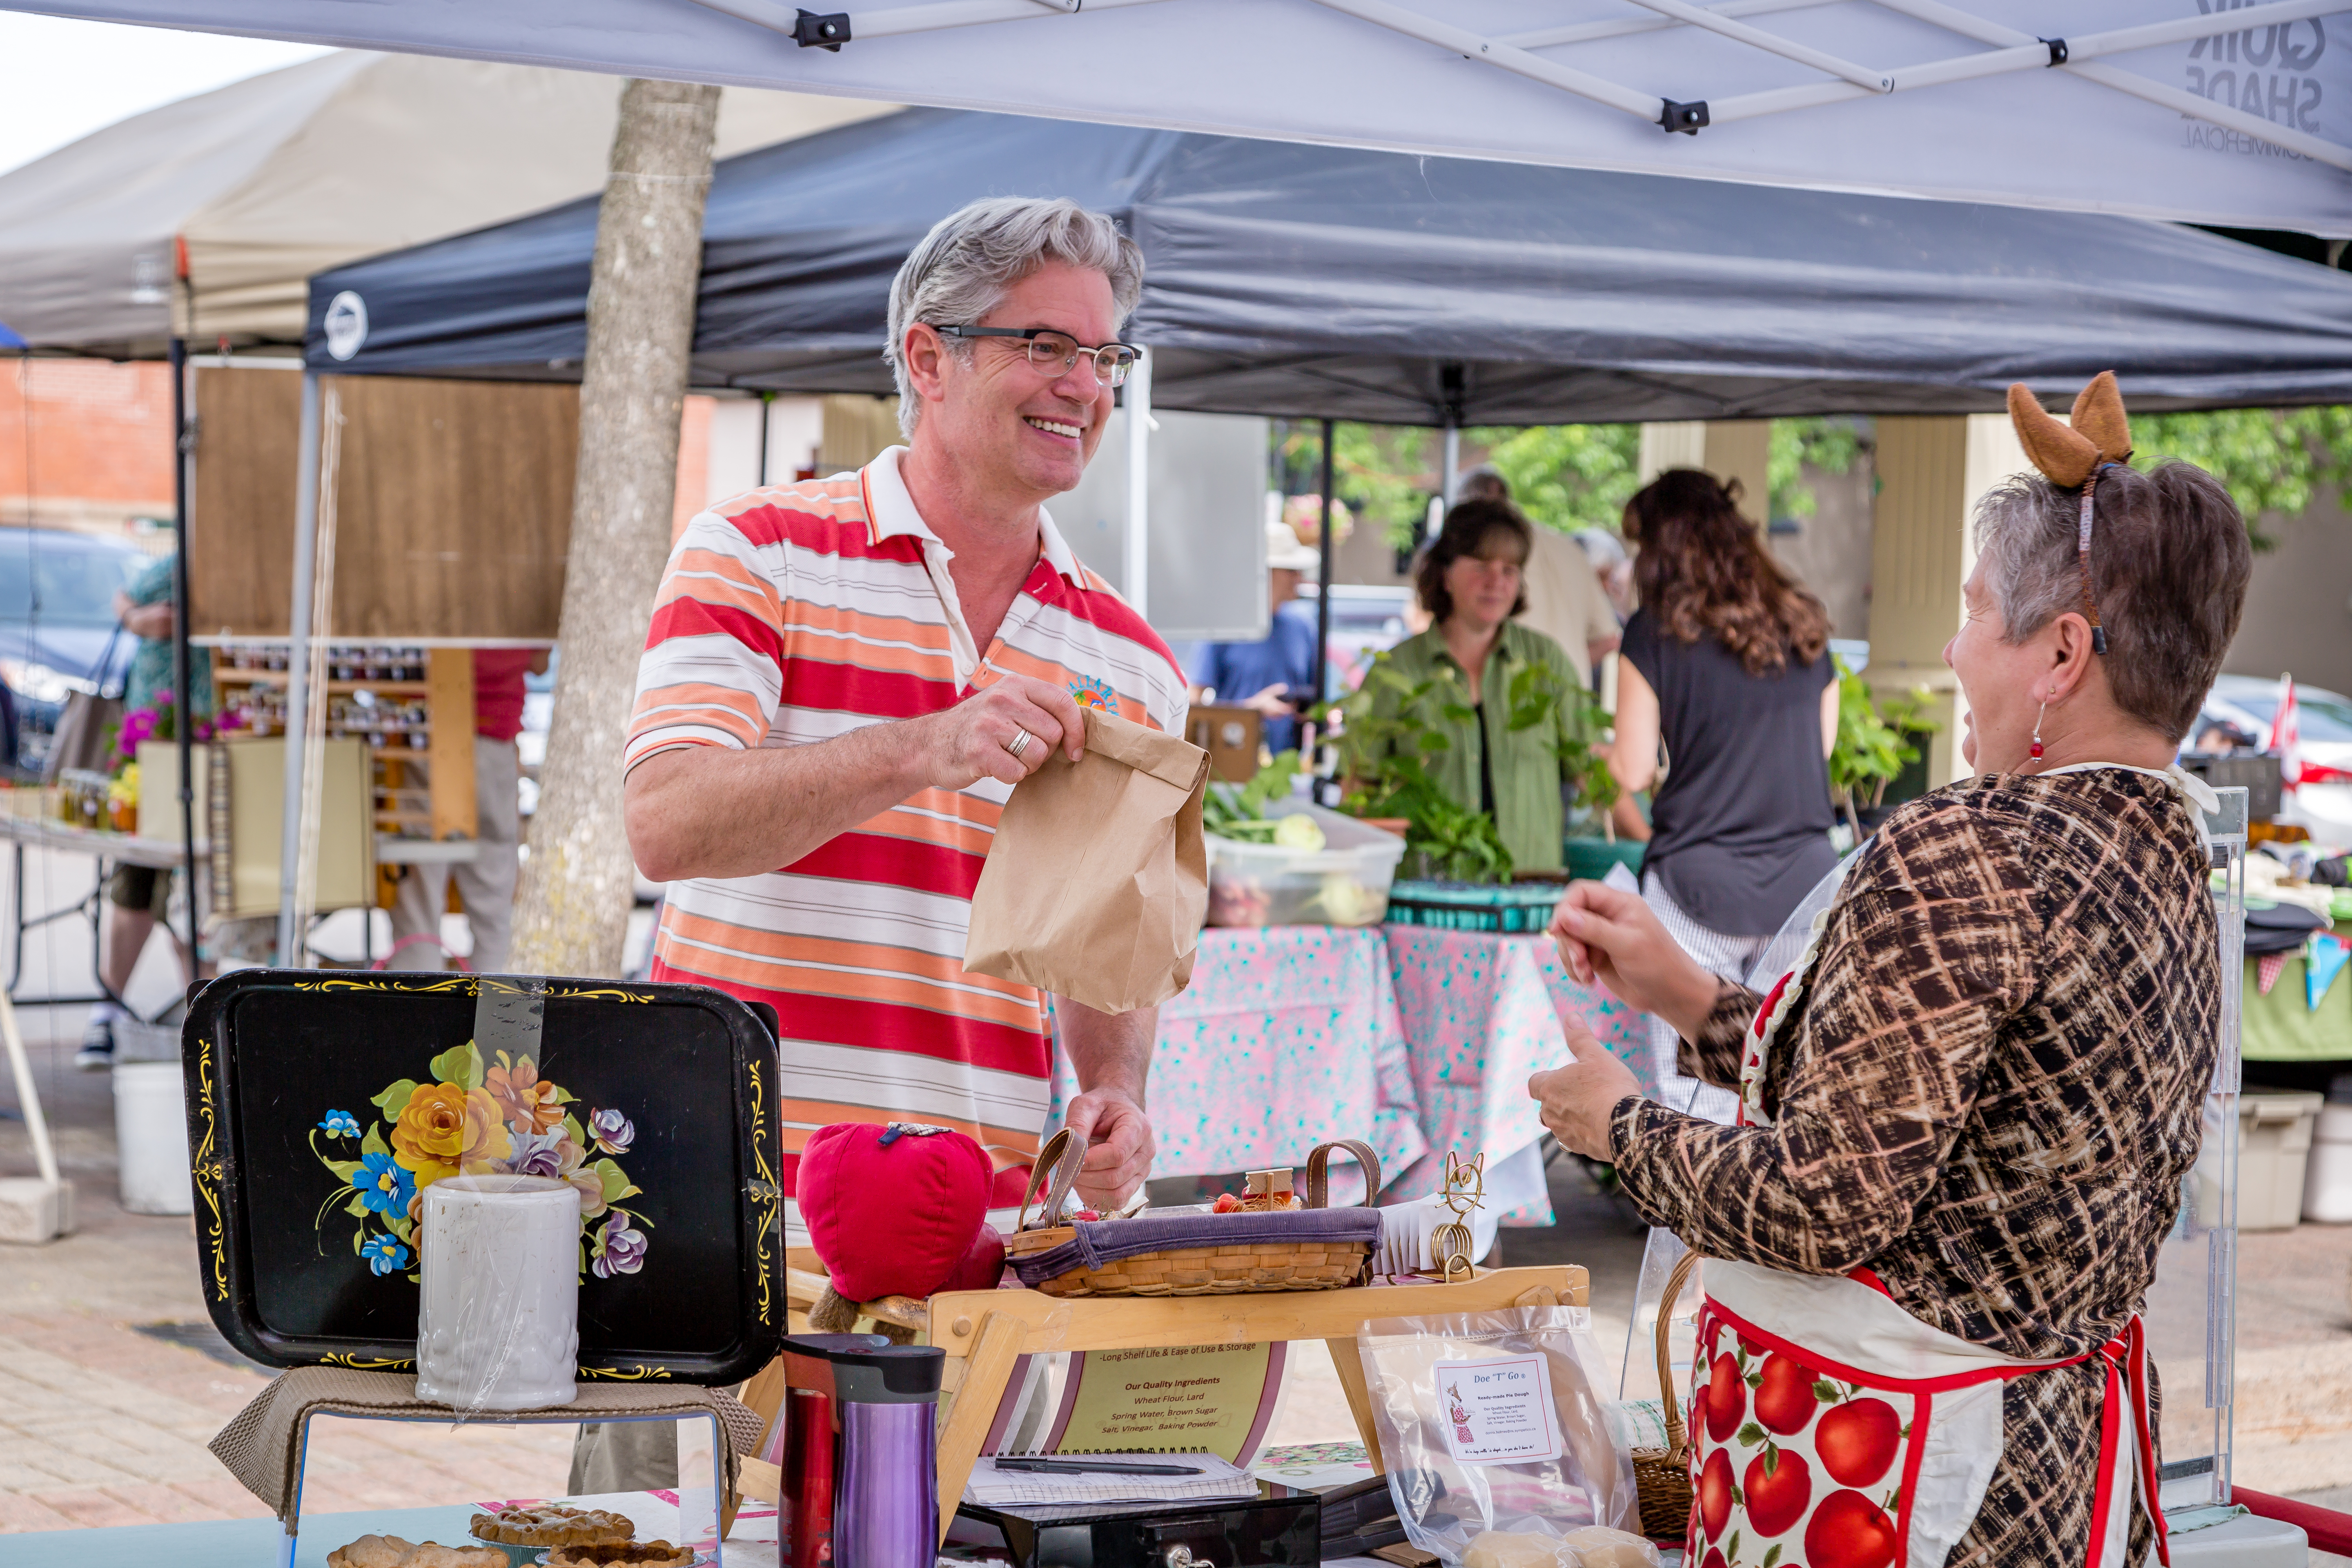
(846, 678)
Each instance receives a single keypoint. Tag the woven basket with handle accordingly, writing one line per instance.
(1309, 1263)
(1663, 1475)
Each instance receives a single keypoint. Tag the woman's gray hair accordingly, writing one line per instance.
(963, 267)
(2170, 562)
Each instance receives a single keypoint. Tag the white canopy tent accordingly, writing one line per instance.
(247, 191)
(2226, 116)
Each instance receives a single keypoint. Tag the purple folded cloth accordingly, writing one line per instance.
(1101, 1241)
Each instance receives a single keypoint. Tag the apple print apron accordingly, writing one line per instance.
(1830, 1428)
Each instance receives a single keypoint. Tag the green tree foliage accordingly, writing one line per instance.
(1567, 477)
(1831, 446)
(1386, 473)
(2273, 461)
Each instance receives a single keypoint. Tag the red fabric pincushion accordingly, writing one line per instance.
(892, 1210)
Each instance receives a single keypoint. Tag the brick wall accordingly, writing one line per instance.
(85, 445)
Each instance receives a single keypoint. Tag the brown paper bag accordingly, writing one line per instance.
(1097, 882)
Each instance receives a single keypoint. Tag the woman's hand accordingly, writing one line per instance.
(1613, 937)
(1577, 1099)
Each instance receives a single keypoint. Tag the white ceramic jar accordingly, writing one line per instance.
(498, 1320)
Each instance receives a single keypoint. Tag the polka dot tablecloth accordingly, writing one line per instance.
(1415, 1040)
(1479, 1012)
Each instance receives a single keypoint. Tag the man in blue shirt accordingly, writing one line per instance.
(1266, 675)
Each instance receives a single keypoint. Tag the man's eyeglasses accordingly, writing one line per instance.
(1055, 354)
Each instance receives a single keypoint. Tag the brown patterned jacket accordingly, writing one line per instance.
(1988, 1091)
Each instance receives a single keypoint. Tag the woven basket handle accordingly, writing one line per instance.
(1677, 1440)
(1318, 1185)
(1063, 1152)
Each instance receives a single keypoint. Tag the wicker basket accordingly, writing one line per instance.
(1663, 1475)
(1259, 1260)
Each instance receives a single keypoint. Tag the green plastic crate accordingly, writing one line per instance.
(1522, 908)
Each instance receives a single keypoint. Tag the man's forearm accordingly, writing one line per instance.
(703, 811)
(1109, 1050)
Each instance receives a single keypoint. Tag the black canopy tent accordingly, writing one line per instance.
(1306, 280)
(1292, 279)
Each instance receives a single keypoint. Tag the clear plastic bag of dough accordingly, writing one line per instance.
(1493, 1425)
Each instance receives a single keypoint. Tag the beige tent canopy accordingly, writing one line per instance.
(252, 188)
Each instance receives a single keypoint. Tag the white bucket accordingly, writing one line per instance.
(499, 1311)
(2328, 1177)
(151, 1138)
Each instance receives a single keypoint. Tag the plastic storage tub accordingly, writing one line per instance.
(2327, 1177)
(2273, 1143)
(1344, 883)
(1522, 908)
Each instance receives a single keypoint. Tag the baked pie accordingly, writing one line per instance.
(553, 1524)
(393, 1551)
(623, 1554)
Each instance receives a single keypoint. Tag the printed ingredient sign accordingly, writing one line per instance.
(1498, 1412)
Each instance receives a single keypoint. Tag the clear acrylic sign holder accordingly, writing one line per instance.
(698, 1511)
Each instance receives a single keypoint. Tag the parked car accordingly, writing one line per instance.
(2240, 709)
(58, 622)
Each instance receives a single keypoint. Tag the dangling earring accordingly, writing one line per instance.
(2035, 749)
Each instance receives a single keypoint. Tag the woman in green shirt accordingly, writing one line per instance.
(1505, 696)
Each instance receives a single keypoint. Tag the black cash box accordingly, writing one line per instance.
(1282, 1525)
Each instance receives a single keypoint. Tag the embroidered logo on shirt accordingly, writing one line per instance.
(1094, 694)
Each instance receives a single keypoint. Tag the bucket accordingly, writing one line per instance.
(151, 1138)
(2327, 1175)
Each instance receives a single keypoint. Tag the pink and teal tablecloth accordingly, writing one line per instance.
(1418, 1041)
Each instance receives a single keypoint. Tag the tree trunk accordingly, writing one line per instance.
(573, 914)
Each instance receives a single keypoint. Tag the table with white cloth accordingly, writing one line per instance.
(1417, 1040)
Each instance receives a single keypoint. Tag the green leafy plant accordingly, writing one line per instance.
(1874, 743)
(1831, 446)
(1388, 756)
(1238, 811)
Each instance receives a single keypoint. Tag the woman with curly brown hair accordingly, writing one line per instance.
(1725, 665)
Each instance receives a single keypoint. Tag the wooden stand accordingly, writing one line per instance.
(984, 1332)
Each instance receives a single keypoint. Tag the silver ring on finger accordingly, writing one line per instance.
(1020, 742)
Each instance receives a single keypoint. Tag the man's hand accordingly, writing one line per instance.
(1613, 937)
(974, 739)
(1274, 702)
(1577, 1099)
(1121, 1148)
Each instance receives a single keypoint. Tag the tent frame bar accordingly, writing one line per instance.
(2012, 51)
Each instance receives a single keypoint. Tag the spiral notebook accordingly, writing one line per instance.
(1209, 1399)
(1217, 1482)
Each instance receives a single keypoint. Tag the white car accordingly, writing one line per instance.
(2322, 802)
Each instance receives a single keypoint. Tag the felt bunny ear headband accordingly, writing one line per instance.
(2098, 436)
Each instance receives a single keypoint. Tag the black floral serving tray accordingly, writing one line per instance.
(321, 1105)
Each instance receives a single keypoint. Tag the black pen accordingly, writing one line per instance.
(1101, 1468)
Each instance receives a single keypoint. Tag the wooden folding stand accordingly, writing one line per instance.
(984, 1332)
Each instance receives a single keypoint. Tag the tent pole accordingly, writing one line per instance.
(1137, 552)
(1451, 477)
(297, 666)
(1327, 541)
(183, 717)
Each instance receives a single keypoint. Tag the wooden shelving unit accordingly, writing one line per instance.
(444, 768)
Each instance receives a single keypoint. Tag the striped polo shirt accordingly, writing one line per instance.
(798, 612)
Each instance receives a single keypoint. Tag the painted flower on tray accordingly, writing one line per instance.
(619, 1249)
(528, 1102)
(385, 1184)
(384, 1254)
(479, 1119)
(444, 1129)
(614, 1133)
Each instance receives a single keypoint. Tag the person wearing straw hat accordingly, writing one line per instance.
(1967, 1112)
(1273, 675)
